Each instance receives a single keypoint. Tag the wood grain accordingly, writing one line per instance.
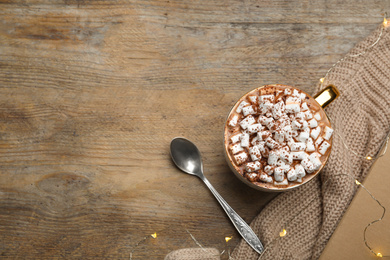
(92, 92)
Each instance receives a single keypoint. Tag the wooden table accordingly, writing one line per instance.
(92, 92)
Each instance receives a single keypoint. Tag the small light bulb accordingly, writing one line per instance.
(379, 255)
(369, 158)
(322, 80)
(228, 238)
(283, 233)
(385, 22)
(357, 182)
(154, 235)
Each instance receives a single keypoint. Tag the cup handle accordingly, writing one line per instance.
(327, 95)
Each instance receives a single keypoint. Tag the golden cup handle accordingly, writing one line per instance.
(327, 95)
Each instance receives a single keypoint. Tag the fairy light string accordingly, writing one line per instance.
(154, 235)
(283, 232)
(385, 24)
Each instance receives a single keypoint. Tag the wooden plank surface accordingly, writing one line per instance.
(92, 92)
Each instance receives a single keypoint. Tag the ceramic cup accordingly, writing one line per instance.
(317, 103)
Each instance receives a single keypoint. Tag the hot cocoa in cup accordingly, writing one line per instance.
(277, 137)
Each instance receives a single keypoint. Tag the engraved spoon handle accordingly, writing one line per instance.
(241, 226)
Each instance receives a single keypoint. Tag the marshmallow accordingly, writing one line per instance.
(265, 178)
(295, 147)
(296, 93)
(236, 148)
(254, 128)
(241, 105)
(319, 141)
(281, 183)
(279, 137)
(241, 158)
(270, 98)
(317, 116)
(307, 165)
(278, 110)
(328, 133)
(308, 115)
(296, 125)
(247, 121)
(271, 143)
(305, 125)
(306, 130)
(282, 122)
(263, 135)
(265, 107)
(253, 99)
(303, 137)
(244, 140)
(278, 174)
(301, 155)
(252, 166)
(249, 110)
(304, 107)
(252, 176)
(273, 157)
(315, 160)
(300, 171)
(291, 175)
(286, 157)
(300, 115)
(302, 96)
(312, 123)
(287, 91)
(255, 140)
(255, 153)
(235, 138)
(323, 147)
(269, 169)
(260, 145)
(299, 180)
(315, 132)
(269, 122)
(293, 104)
(285, 148)
(233, 122)
(287, 132)
(310, 145)
(286, 167)
(264, 151)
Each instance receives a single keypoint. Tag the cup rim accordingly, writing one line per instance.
(273, 188)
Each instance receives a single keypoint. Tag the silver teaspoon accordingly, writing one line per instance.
(187, 158)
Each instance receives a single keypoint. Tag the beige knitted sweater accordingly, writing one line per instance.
(361, 119)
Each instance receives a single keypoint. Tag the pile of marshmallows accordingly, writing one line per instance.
(285, 130)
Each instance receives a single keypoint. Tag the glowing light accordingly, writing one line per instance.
(357, 182)
(228, 238)
(385, 22)
(322, 80)
(154, 235)
(379, 255)
(369, 158)
(283, 233)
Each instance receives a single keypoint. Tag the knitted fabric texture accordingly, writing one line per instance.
(361, 119)
(194, 254)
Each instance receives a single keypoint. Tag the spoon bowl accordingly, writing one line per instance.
(187, 158)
